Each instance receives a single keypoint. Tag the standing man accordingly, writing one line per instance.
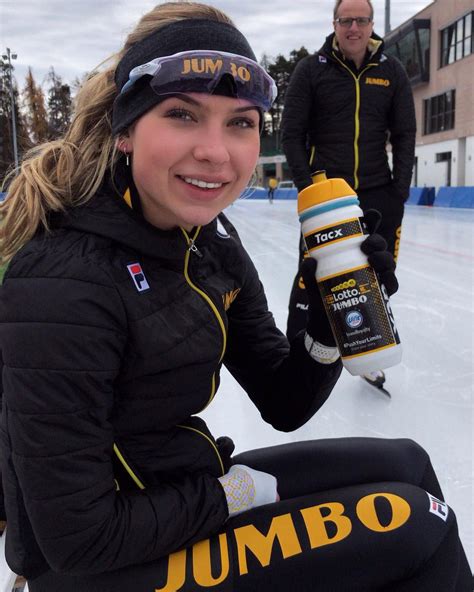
(342, 105)
(272, 185)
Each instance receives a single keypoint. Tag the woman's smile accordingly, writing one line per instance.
(192, 156)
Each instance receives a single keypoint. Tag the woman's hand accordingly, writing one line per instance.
(246, 488)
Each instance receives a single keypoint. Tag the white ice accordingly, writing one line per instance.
(432, 395)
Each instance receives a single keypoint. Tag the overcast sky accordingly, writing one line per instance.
(74, 36)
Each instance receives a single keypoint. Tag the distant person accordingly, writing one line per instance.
(126, 292)
(272, 185)
(342, 105)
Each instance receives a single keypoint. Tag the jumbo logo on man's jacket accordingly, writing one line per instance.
(377, 81)
(282, 528)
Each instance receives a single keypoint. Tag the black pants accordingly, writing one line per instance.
(356, 515)
(391, 206)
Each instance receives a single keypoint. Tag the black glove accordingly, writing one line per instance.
(375, 247)
(226, 447)
(318, 326)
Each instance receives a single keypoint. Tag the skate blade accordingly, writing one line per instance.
(381, 389)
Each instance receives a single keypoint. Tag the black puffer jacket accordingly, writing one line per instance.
(112, 335)
(338, 118)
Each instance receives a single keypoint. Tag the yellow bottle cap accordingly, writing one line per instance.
(322, 189)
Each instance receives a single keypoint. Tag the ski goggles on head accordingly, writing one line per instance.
(203, 71)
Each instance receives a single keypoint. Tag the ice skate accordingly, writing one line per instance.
(377, 380)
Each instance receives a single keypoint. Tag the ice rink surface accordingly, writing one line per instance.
(432, 394)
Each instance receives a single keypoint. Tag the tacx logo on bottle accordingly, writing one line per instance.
(320, 237)
(138, 277)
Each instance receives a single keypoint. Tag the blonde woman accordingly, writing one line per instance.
(126, 291)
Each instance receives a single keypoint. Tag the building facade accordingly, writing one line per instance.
(437, 50)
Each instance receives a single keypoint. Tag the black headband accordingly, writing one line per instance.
(184, 35)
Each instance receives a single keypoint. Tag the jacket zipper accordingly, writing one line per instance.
(129, 470)
(192, 248)
(357, 121)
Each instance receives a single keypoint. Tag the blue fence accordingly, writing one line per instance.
(421, 196)
(262, 193)
(455, 197)
(447, 197)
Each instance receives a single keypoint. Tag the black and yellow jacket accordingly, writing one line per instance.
(112, 336)
(339, 119)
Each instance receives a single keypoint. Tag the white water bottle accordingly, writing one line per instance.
(357, 306)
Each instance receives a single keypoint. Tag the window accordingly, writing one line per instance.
(443, 156)
(456, 40)
(424, 39)
(411, 45)
(409, 54)
(439, 113)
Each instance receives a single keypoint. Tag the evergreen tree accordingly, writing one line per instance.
(35, 110)
(7, 158)
(265, 61)
(6, 148)
(267, 128)
(59, 105)
(281, 71)
(296, 55)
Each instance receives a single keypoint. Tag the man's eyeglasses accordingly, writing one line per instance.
(346, 21)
